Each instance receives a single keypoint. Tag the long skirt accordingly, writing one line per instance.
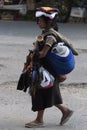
(45, 98)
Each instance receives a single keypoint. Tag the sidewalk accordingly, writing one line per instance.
(15, 109)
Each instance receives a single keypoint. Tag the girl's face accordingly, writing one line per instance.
(41, 23)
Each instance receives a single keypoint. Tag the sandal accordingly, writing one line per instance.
(66, 117)
(34, 124)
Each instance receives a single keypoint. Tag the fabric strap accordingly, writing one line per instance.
(63, 39)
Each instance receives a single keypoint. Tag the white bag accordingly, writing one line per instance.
(61, 50)
(48, 79)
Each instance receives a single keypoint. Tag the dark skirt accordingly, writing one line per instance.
(45, 98)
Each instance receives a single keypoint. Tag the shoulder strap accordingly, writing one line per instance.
(63, 39)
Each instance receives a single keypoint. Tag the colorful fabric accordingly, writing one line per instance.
(46, 11)
(47, 78)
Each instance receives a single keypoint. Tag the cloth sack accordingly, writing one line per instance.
(61, 58)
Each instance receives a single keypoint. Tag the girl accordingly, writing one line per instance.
(45, 98)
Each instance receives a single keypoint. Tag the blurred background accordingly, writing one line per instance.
(69, 10)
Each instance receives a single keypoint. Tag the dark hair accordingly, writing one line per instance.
(55, 23)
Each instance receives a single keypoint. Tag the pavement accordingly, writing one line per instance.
(16, 38)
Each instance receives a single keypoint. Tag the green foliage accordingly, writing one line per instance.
(48, 2)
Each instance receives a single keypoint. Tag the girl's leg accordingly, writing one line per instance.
(67, 113)
(37, 121)
(39, 117)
